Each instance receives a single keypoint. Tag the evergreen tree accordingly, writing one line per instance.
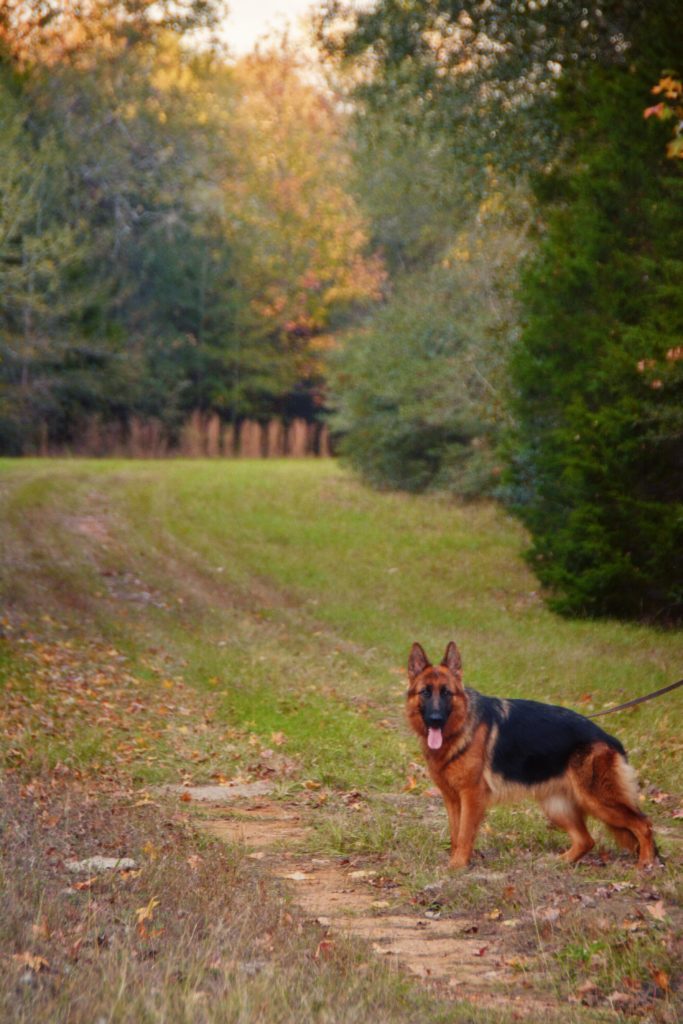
(597, 460)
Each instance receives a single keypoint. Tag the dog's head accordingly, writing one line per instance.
(435, 695)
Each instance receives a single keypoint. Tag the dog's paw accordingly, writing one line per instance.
(458, 861)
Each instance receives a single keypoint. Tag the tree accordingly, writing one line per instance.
(300, 238)
(40, 256)
(420, 389)
(597, 458)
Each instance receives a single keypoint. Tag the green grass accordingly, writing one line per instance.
(302, 591)
(177, 620)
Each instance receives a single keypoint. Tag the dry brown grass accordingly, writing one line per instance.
(196, 932)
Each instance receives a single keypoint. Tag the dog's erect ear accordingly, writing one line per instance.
(452, 660)
(417, 662)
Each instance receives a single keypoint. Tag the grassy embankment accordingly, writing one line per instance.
(170, 621)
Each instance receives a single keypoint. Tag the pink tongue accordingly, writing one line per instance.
(434, 739)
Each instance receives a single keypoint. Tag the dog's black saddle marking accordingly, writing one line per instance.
(535, 741)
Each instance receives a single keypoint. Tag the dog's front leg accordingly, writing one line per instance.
(452, 802)
(472, 810)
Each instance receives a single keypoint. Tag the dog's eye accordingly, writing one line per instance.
(426, 692)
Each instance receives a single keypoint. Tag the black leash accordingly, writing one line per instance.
(638, 700)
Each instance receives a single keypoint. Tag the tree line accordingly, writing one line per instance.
(457, 240)
(176, 233)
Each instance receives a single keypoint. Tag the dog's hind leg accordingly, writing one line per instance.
(625, 838)
(605, 787)
(564, 812)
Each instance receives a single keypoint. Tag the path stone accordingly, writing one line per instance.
(98, 863)
(225, 794)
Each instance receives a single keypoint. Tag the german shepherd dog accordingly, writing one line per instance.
(484, 750)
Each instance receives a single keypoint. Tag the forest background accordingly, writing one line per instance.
(454, 236)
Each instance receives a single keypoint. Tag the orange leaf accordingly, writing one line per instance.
(32, 961)
(660, 977)
(87, 884)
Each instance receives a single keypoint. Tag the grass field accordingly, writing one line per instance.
(193, 621)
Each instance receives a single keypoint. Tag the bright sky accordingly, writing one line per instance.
(249, 19)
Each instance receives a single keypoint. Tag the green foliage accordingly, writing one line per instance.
(597, 458)
(478, 75)
(420, 389)
(557, 92)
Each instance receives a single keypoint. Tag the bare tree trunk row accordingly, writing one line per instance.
(201, 436)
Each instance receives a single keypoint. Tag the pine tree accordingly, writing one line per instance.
(597, 464)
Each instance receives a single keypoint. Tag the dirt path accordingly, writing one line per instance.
(347, 901)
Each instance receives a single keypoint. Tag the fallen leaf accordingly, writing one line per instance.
(660, 978)
(40, 929)
(87, 884)
(518, 963)
(494, 915)
(186, 797)
(589, 993)
(150, 851)
(410, 785)
(656, 910)
(144, 801)
(32, 961)
(146, 913)
(480, 952)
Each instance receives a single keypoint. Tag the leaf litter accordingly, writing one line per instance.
(75, 686)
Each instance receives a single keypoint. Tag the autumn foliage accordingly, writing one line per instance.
(177, 233)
